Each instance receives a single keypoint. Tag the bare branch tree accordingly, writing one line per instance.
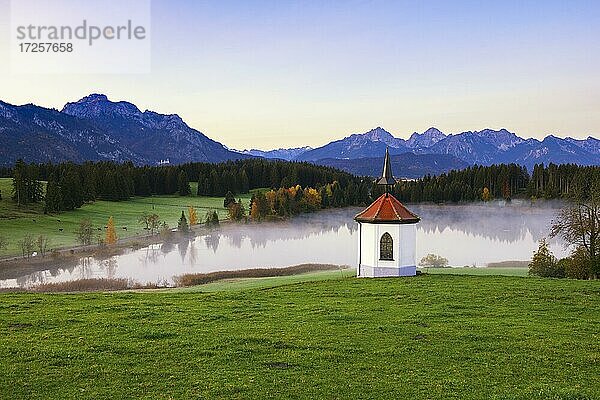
(84, 232)
(26, 245)
(578, 223)
(151, 221)
(42, 242)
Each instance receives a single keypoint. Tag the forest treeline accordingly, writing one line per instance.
(70, 185)
(504, 181)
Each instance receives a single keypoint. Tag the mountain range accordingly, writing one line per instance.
(280, 154)
(95, 128)
(407, 165)
(483, 147)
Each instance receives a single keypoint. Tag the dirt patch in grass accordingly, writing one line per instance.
(19, 325)
(279, 365)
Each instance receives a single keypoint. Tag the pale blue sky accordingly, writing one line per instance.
(289, 73)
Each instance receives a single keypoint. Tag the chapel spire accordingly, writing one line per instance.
(387, 176)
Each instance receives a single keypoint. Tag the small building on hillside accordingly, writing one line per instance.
(387, 234)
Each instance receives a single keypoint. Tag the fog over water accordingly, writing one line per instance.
(474, 234)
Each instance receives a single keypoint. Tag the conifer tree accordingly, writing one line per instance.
(228, 199)
(544, 263)
(182, 225)
(71, 190)
(200, 191)
(53, 199)
(183, 184)
(212, 219)
(26, 186)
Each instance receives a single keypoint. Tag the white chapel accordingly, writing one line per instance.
(387, 234)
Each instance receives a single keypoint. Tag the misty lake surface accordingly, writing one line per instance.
(474, 234)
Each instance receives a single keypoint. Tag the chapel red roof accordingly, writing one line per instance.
(387, 210)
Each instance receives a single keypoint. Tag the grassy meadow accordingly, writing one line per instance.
(429, 337)
(16, 221)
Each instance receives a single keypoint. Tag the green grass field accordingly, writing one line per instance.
(428, 337)
(15, 222)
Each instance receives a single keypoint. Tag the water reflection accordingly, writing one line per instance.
(466, 235)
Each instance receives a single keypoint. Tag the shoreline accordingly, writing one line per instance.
(256, 278)
(193, 281)
(58, 257)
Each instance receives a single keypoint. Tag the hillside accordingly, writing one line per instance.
(61, 228)
(442, 337)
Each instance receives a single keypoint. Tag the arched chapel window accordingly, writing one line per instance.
(386, 247)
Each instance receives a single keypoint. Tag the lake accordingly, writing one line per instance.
(474, 234)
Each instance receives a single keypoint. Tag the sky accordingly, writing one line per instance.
(269, 74)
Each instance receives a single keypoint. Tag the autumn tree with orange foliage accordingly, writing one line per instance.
(271, 197)
(312, 198)
(259, 206)
(193, 216)
(284, 202)
(236, 211)
(111, 233)
(486, 196)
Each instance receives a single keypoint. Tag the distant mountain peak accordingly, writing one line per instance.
(92, 98)
(432, 131)
(502, 138)
(426, 139)
(358, 145)
(379, 134)
(96, 104)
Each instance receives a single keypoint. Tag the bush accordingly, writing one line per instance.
(578, 265)
(544, 263)
(434, 261)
